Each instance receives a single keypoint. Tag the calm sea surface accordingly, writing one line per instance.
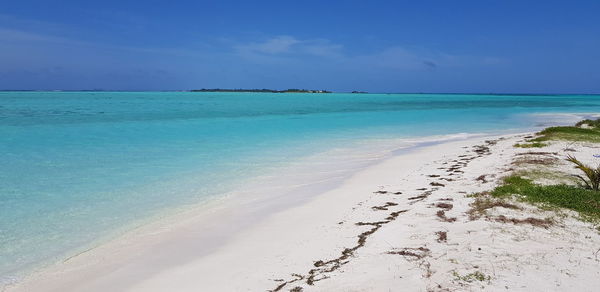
(77, 166)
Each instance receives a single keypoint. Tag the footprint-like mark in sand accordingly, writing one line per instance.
(322, 268)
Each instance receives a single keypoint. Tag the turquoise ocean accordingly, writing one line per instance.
(77, 167)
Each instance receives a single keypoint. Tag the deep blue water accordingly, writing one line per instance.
(76, 166)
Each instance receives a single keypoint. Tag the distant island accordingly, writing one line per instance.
(292, 90)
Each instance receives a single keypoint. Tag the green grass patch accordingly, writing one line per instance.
(584, 201)
(590, 123)
(530, 145)
(583, 131)
(541, 174)
(568, 133)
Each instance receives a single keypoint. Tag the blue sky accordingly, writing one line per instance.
(376, 46)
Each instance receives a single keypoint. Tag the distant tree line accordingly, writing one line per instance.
(291, 90)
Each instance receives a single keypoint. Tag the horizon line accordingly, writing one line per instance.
(329, 91)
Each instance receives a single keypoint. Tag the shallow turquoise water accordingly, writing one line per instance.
(76, 166)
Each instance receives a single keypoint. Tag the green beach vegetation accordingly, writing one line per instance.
(583, 198)
(530, 145)
(592, 175)
(569, 134)
(583, 131)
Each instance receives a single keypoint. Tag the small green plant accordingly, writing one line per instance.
(592, 179)
(471, 277)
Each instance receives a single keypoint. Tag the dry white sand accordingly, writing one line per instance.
(381, 230)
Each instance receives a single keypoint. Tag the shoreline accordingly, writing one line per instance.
(205, 211)
(218, 210)
(264, 253)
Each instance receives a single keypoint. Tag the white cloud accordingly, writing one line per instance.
(277, 45)
(288, 45)
(7, 34)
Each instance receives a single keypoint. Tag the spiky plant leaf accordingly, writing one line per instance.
(592, 174)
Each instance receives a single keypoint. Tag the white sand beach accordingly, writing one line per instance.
(404, 224)
(290, 146)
